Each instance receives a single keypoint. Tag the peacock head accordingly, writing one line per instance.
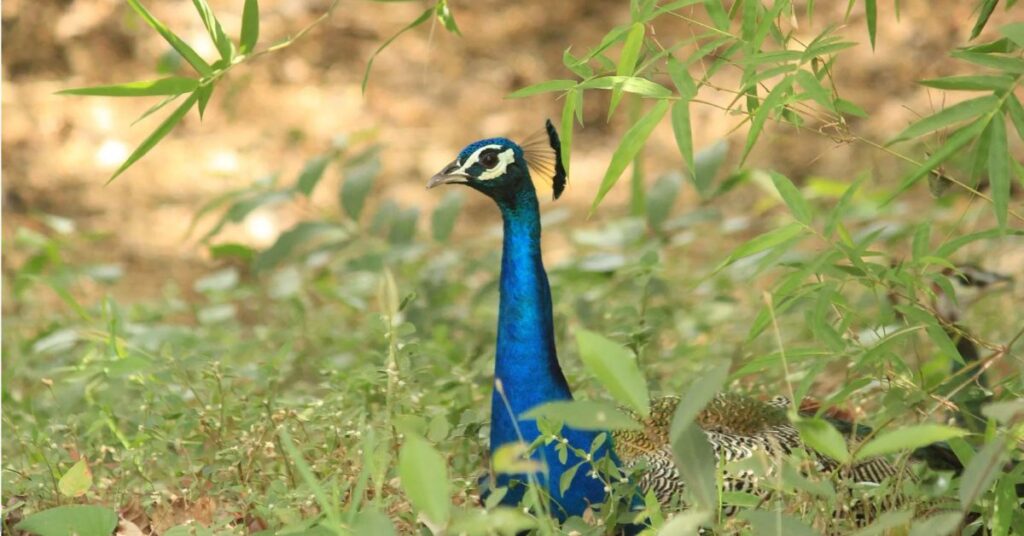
(501, 168)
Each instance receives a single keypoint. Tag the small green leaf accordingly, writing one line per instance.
(975, 82)
(423, 473)
(204, 92)
(824, 438)
(311, 174)
(982, 470)
(543, 87)
(71, 520)
(999, 169)
(697, 396)
(871, 14)
(661, 197)
(987, 7)
(1016, 112)
(948, 116)
(1006, 64)
(907, 438)
(573, 99)
(250, 26)
(765, 523)
(444, 14)
(628, 148)
(886, 521)
(775, 99)
(706, 164)
(213, 27)
(302, 233)
(359, 175)
(684, 132)
(171, 85)
(793, 198)
(1014, 31)
(514, 458)
(960, 138)
(162, 130)
(941, 524)
(627, 60)
(616, 368)
(920, 245)
(583, 415)
(763, 242)
(687, 522)
(629, 84)
(369, 64)
(194, 59)
(77, 481)
(442, 221)
(697, 466)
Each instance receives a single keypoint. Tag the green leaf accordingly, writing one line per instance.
(661, 197)
(957, 141)
(250, 26)
(684, 132)
(824, 438)
(369, 64)
(772, 102)
(573, 99)
(987, 7)
(514, 458)
(423, 473)
(629, 84)
(444, 14)
(1016, 112)
(766, 523)
(627, 60)
(1003, 63)
(71, 520)
(194, 59)
(793, 198)
(77, 481)
(941, 524)
(162, 130)
(706, 163)
(687, 522)
(628, 148)
(302, 233)
(204, 92)
(697, 396)
(442, 221)
(975, 82)
(871, 14)
(999, 168)
(543, 87)
(616, 368)
(697, 466)
(982, 470)
(1015, 32)
(907, 438)
(213, 27)
(359, 175)
(171, 85)
(948, 116)
(763, 242)
(935, 332)
(886, 521)
(311, 174)
(583, 415)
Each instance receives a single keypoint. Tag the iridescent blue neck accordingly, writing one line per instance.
(527, 363)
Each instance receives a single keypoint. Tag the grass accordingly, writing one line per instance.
(278, 400)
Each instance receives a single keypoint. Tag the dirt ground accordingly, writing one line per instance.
(429, 94)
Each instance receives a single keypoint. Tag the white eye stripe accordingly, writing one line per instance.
(505, 158)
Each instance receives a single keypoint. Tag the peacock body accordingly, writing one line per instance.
(527, 372)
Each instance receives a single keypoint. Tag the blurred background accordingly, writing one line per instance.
(429, 93)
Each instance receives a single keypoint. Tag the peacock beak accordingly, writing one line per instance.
(451, 174)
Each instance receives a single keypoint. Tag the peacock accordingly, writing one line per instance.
(527, 371)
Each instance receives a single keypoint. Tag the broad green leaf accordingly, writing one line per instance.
(194, 59)
(71, 520)
(765, 523)
(957, 141)
(824, 438)
(697, 396)
(583, 415)
(982, 470)
(77, 481)
(629, 84)
(871, 14)
(999, 168)
(628, 148)
(775, 99)
(684, 132)
(987, 7)
(423, 473)
(162, 130)
(311, 174)
(793, 198)
(213, 27)
(907, 438)
(546, 86)
(661, 197)
(171, 85)
(975, 82)
(250, 26)
(369, 64)
(627, 60)
(941, 524)
(953, 114)
(1015, 32)
(766, 241)
(706, 163)
(885, 522)
(696, 464)
(371, 521)
(616, 368)
(359, 175)
(442, 221)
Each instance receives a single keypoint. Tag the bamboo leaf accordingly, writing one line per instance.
(906, 439)
(871, 14)
(250, 26)
(982, 470)
(572, 99)
(987, 7)
(957, 141)
(824, 438)
(999, 169)
(684, 132)
(1016, 113)
(162, 130)
(1015, 32)
(952, 114)
(583, 415)
(543, 87)
(171, 85)
(204, 92)
(311, 174)
(627, 60)
(764, 242)
(628, 148)
(444, 14)
(975, 82)
(616, 368)
(993, 61)
(793, 198)
(771, 102)
(629, 84)
(213, 27)
(194, 59)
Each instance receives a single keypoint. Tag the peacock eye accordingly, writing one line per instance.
(489, 159)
